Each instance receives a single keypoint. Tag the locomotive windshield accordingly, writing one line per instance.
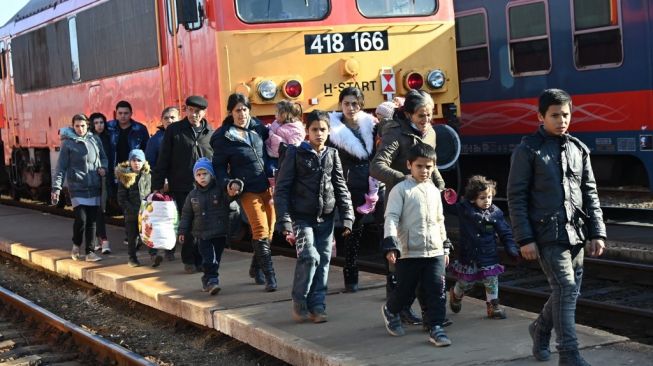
(271, 11)
(396, 8)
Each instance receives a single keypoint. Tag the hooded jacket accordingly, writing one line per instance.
(355, 154)
(206, 212)
(179, 151)
(234, 158)
(79, 159)
(310, 186)
(133, 188)
(389, 163)
(552, 193)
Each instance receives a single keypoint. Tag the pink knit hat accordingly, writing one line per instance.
(385, 110)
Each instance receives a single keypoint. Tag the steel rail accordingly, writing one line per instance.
(104, 348)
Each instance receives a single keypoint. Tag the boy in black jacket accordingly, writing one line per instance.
(134, 185)
(206, 216)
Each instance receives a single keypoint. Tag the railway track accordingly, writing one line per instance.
(30, 335)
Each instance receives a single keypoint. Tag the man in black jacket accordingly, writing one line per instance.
(554, 210)
(183, 143)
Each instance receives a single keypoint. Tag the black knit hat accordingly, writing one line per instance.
(197, 102)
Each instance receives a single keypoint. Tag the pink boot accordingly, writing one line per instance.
(369, 205)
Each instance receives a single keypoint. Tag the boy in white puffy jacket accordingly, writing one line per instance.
(415, 240)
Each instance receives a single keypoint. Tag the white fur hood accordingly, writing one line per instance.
(342, 137)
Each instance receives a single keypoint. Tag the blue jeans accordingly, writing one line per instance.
(429, 274)
(313, 246)
(563, 266)
(211, 252)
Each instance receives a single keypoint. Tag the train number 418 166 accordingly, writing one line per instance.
(315, 44)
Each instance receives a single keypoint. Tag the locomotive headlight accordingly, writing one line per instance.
(267, 89)
(435, 79)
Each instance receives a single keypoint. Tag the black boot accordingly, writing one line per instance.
(256, 272)
(264, 257)
(571, 358)
(541, 340)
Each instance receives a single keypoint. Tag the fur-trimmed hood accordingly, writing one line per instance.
(342, 137)
(125, 175)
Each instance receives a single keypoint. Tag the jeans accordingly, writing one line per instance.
(189, 253)
(211, 251)
(260, 213)
(427, 273)
(84, 226)
(563, 266)
(313, 245)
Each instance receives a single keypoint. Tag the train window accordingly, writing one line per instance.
(74, 51)
(529, 38)
(472, 46)
(44, 55)
(3, 65)
(108, 45)
(597, 33)
(271, 11)
(396, 8)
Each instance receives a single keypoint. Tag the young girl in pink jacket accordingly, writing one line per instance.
(287, 128)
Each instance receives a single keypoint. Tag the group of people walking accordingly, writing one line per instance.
(293, 176)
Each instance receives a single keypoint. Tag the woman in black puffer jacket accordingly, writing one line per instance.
(239, 162)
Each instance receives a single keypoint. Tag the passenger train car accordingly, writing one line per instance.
(600, 51)
(61, 57)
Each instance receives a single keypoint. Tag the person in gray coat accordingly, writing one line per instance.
(554, 210)
(81, 163)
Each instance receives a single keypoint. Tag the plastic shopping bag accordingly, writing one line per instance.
(157, 221)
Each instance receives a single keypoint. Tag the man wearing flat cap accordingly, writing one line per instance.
(183, 143)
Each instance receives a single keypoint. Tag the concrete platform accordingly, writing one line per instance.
(354, 335)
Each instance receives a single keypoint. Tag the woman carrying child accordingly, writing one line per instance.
(310, 185)
(480, 224)
(352, 134)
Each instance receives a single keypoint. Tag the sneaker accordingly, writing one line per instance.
(213, 289)
(438, 337)
(392, 322)
(455, 303)
(494, 311)
(369, 205)
(445, 323)
(409, 317)
(74, 254)
(540, 350)
(98, 244)
(170, 256)
(156, 260)
(133, 262)
(299, 312)
(106, 249)
(318, 316)
(92, 257)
